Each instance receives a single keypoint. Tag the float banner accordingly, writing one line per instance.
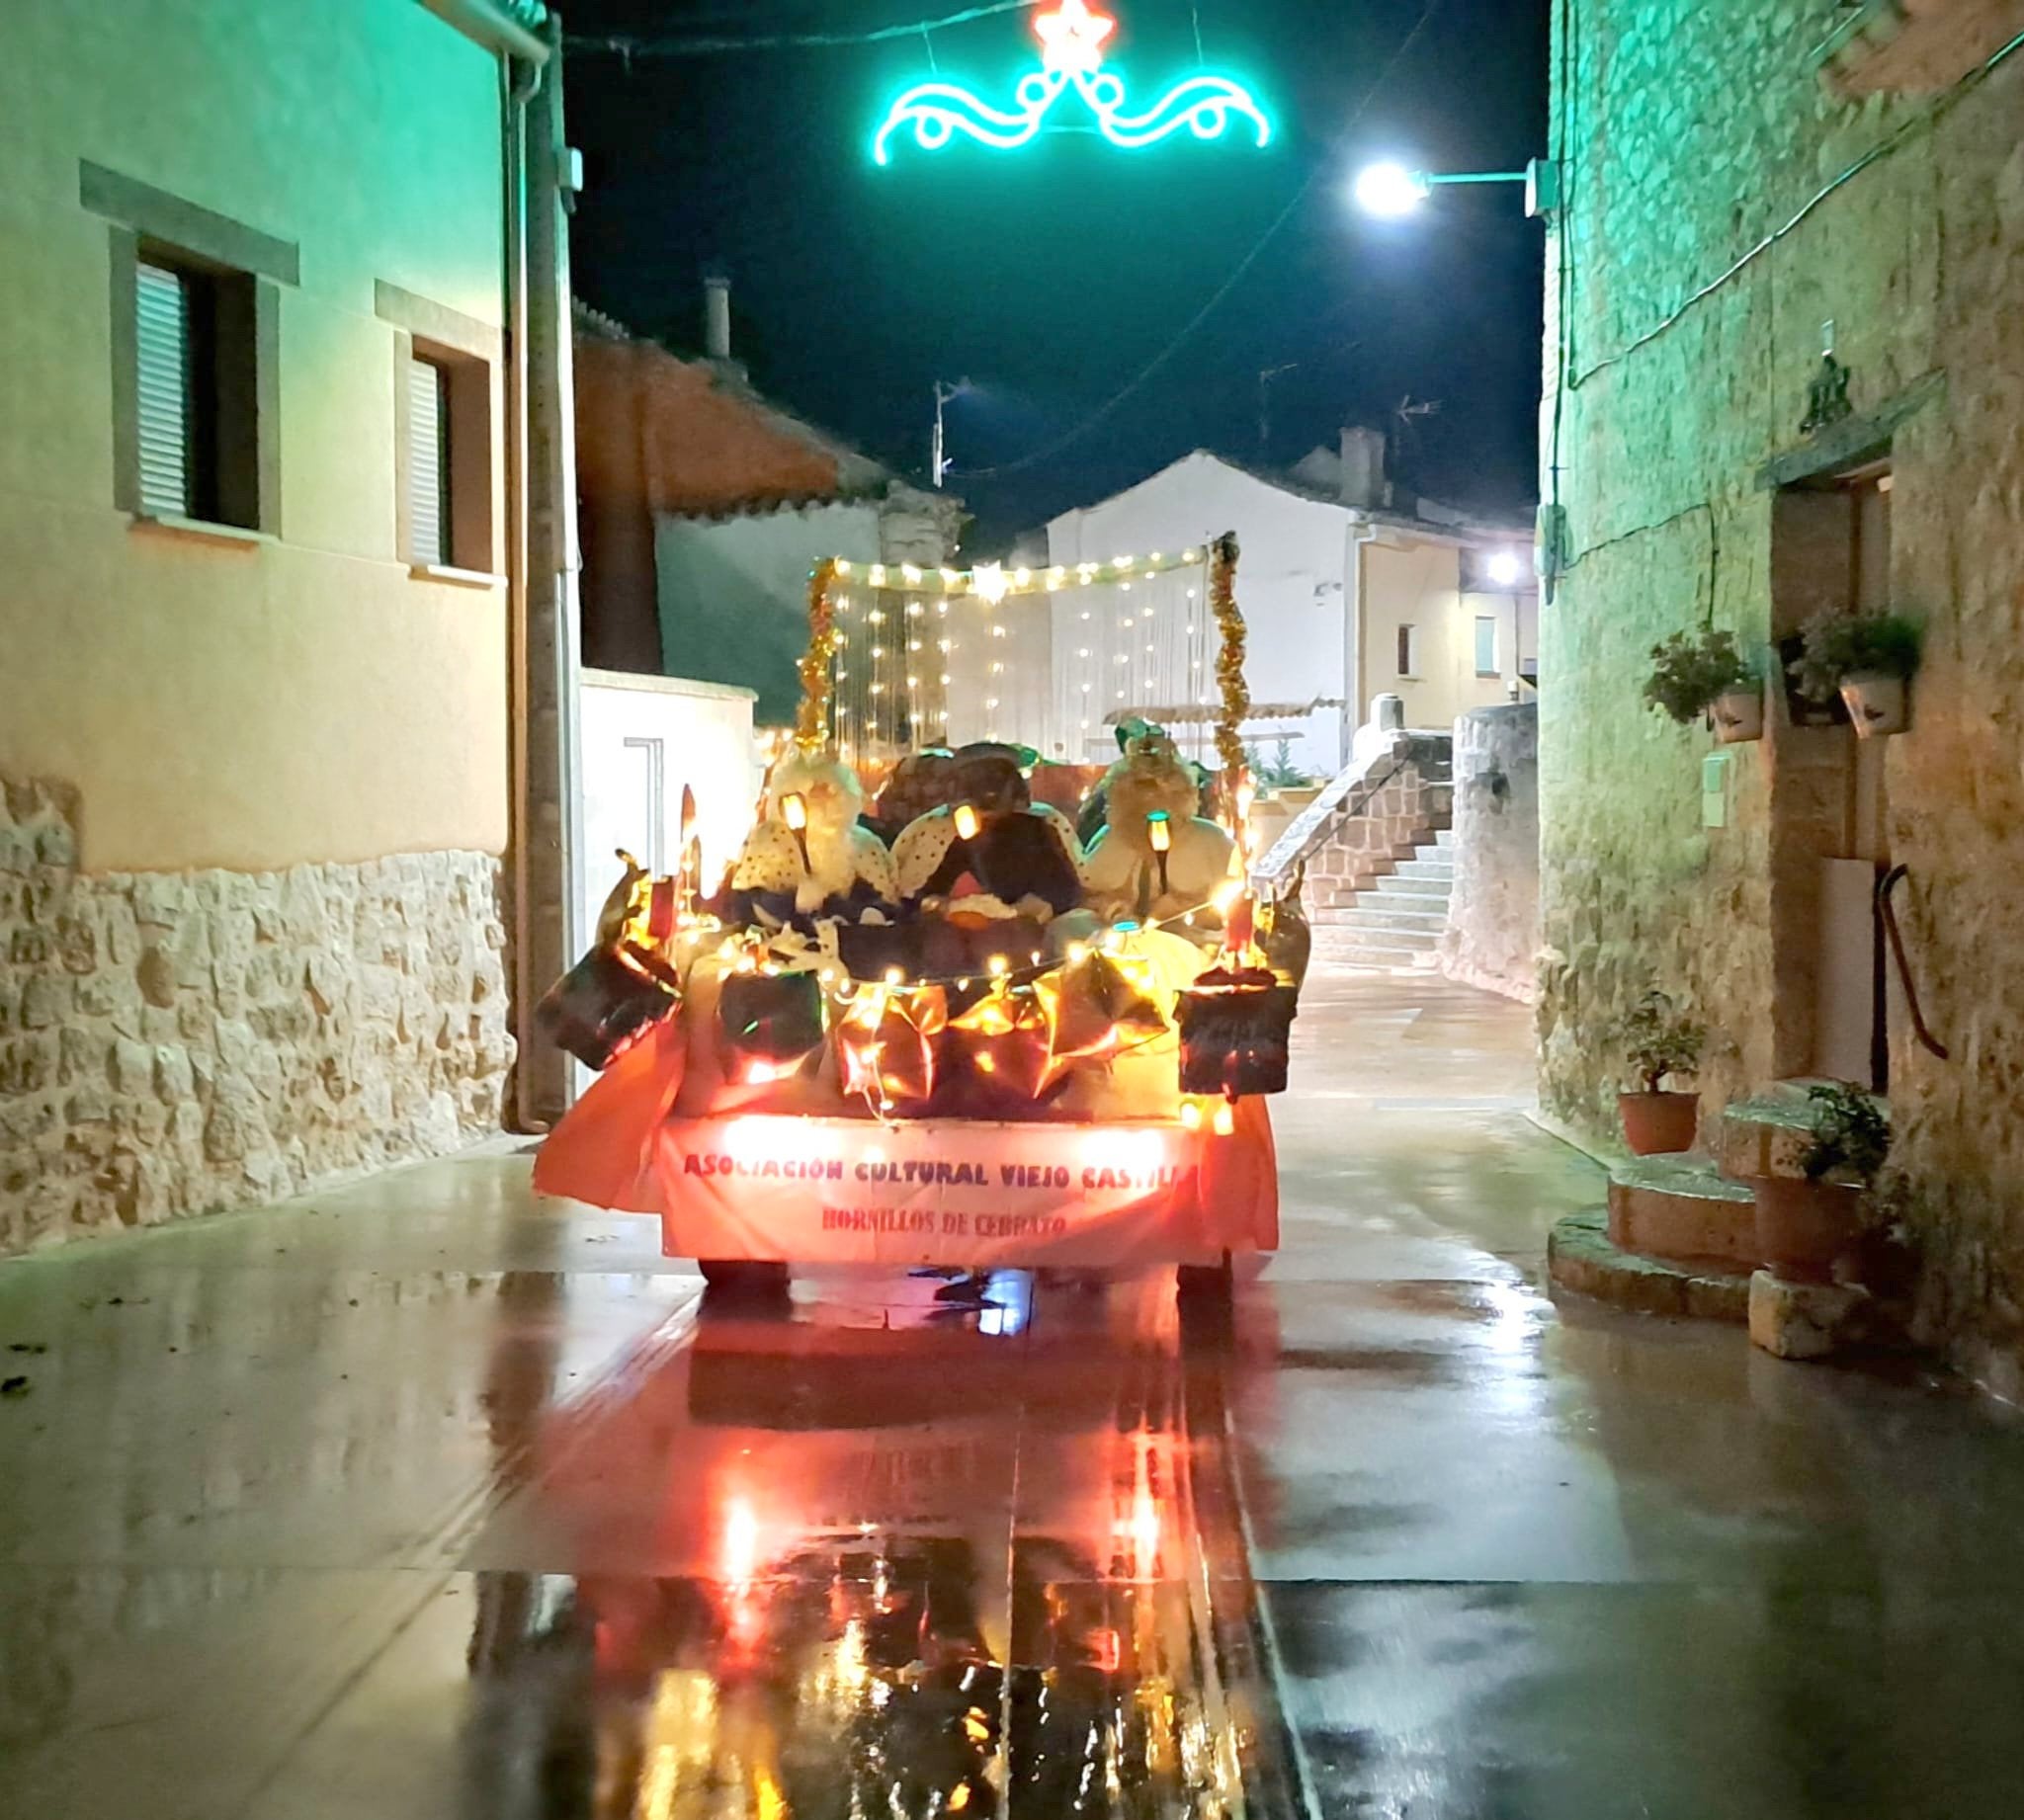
(819, 1191)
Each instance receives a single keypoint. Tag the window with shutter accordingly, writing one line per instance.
(166, 393)
(1487, 647)
(1408, 650)
(429, 465)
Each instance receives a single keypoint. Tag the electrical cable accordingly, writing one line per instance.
(1202, 315)
(1882, 149)
(630, 48)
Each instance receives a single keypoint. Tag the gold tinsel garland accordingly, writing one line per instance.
(1229, 661)
(811, 727)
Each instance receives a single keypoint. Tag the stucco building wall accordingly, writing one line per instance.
(1318, 629)
(222, 717)
(1694, 132)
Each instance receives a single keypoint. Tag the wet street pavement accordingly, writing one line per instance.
(418, 1499)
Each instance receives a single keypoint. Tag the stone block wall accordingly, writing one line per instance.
(179, 1043)
(1722, 205)
(1492, 938)
(1370, 818)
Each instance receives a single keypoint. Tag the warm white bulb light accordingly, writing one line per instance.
(1506, 569)
(1389, 190)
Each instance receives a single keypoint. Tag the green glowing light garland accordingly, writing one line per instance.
(1071, 58)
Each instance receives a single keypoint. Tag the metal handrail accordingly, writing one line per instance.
(1888, 912)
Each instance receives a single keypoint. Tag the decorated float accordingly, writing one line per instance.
(942, 1029)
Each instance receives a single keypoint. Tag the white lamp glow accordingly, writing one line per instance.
(1505, 569)
(1389, 190)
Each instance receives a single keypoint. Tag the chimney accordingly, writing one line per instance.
(1362, 470)
(717, 316)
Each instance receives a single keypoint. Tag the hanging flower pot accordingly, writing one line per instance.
(1738, 716)
(1878, 705)
(1235, 1027)
(768, 1025)
(608, 1001)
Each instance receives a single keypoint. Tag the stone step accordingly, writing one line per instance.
(1361, 951)
(1580, 1257)
(1434, 872)
(1393, 884)
(1679, 1209)
(1391, 932)
(1405, 912)
(1443, 837)
(1767, 1133)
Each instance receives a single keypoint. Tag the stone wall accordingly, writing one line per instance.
(1492, 938)
(1371, 816)
(178, 1043)
(1705, 162)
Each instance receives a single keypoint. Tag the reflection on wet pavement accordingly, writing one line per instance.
(420, 1500)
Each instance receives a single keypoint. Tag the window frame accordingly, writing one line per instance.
(466, 353)
(235, 273)
(1496, 667)
(1409, 651)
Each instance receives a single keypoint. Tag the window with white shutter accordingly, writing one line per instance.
(164, 394)
(1487, 647)
(429, 463)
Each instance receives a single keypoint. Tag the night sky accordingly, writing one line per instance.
(1052, 276)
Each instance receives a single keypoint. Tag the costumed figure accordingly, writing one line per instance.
(990, 870)
(1157, 858)
(809, 858)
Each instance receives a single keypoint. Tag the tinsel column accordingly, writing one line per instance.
(1229, 672)
(812, 727)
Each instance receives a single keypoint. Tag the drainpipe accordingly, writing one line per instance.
(1355, 616)
(517, 84)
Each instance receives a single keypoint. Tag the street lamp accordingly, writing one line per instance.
(944, 395)
(1506, 569)
(1391, 191)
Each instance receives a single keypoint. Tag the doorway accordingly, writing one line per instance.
(1831, 555)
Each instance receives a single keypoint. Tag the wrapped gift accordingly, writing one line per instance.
(885, 1041)
(608, 1001)
(1098, 1005)
(768, 1025)
(1235, 1026)
(1003, 1042)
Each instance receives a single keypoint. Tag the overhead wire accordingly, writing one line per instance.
(680, 46)
(1236, 276)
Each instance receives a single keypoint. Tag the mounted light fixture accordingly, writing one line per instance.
(1390, 191)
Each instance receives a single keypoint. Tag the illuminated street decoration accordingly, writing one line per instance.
(1071, 42)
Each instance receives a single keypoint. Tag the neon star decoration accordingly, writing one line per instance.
(1071, 48)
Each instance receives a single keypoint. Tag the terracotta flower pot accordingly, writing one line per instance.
(1738, 716)
(1659, 1123)
(1803, 1227)
(1877, 704)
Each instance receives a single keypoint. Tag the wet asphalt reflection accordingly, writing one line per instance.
(420, 1499)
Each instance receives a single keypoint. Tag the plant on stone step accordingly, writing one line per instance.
(1689, 672)
(1659, 1040)
(1851, 1136)
(1839, 645)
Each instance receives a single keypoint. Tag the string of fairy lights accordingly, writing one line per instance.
(1052, 655)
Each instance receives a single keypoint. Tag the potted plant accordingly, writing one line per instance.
(1707, 675)
(1807, 1222)
(1869, 659)
(1659, 1042)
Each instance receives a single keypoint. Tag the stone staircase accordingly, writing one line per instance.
(1399, 920)
(1678, 1235)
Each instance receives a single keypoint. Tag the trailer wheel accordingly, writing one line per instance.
(1206, 1283)
(741, 1277)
